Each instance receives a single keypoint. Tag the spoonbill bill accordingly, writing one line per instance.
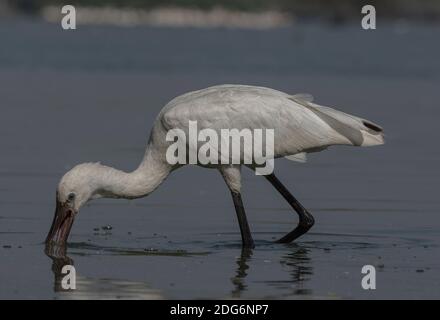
(300, 127)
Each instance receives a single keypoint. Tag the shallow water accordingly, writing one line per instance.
(93, 94)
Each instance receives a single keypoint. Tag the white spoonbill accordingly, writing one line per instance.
(299, 125)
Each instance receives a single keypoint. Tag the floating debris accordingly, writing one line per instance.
(7, 246)
(107, 227)
(420, 270)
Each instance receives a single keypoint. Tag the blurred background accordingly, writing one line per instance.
(332, 10)
(92, 94)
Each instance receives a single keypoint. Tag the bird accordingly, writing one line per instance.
(300, 127)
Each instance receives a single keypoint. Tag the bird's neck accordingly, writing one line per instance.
(137, 184)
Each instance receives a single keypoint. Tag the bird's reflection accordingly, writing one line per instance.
(59, 259)
(95, 288)
(239, 279)
(296, 262)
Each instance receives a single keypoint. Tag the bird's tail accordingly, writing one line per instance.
(360, 132)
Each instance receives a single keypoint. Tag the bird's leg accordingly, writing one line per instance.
(232, 176)
(306, 220)
(246, 236)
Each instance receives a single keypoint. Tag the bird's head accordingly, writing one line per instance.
(74, 190)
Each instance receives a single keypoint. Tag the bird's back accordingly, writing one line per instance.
(299, 125)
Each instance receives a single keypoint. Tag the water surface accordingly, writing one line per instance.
(93, 94)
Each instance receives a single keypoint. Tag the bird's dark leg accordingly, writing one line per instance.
(246, 236)
(306, 220)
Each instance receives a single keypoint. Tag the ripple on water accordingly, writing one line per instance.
(88, 249)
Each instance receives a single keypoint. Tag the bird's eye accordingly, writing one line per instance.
(71, 197)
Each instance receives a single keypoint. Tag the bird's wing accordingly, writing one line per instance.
(296, 128)
(299, 157)
(352, 129)
(302, 97)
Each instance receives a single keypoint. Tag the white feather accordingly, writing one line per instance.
(299, 157)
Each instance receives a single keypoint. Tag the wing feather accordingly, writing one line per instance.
(296, 128)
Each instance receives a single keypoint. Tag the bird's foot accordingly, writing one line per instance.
(301, 229)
